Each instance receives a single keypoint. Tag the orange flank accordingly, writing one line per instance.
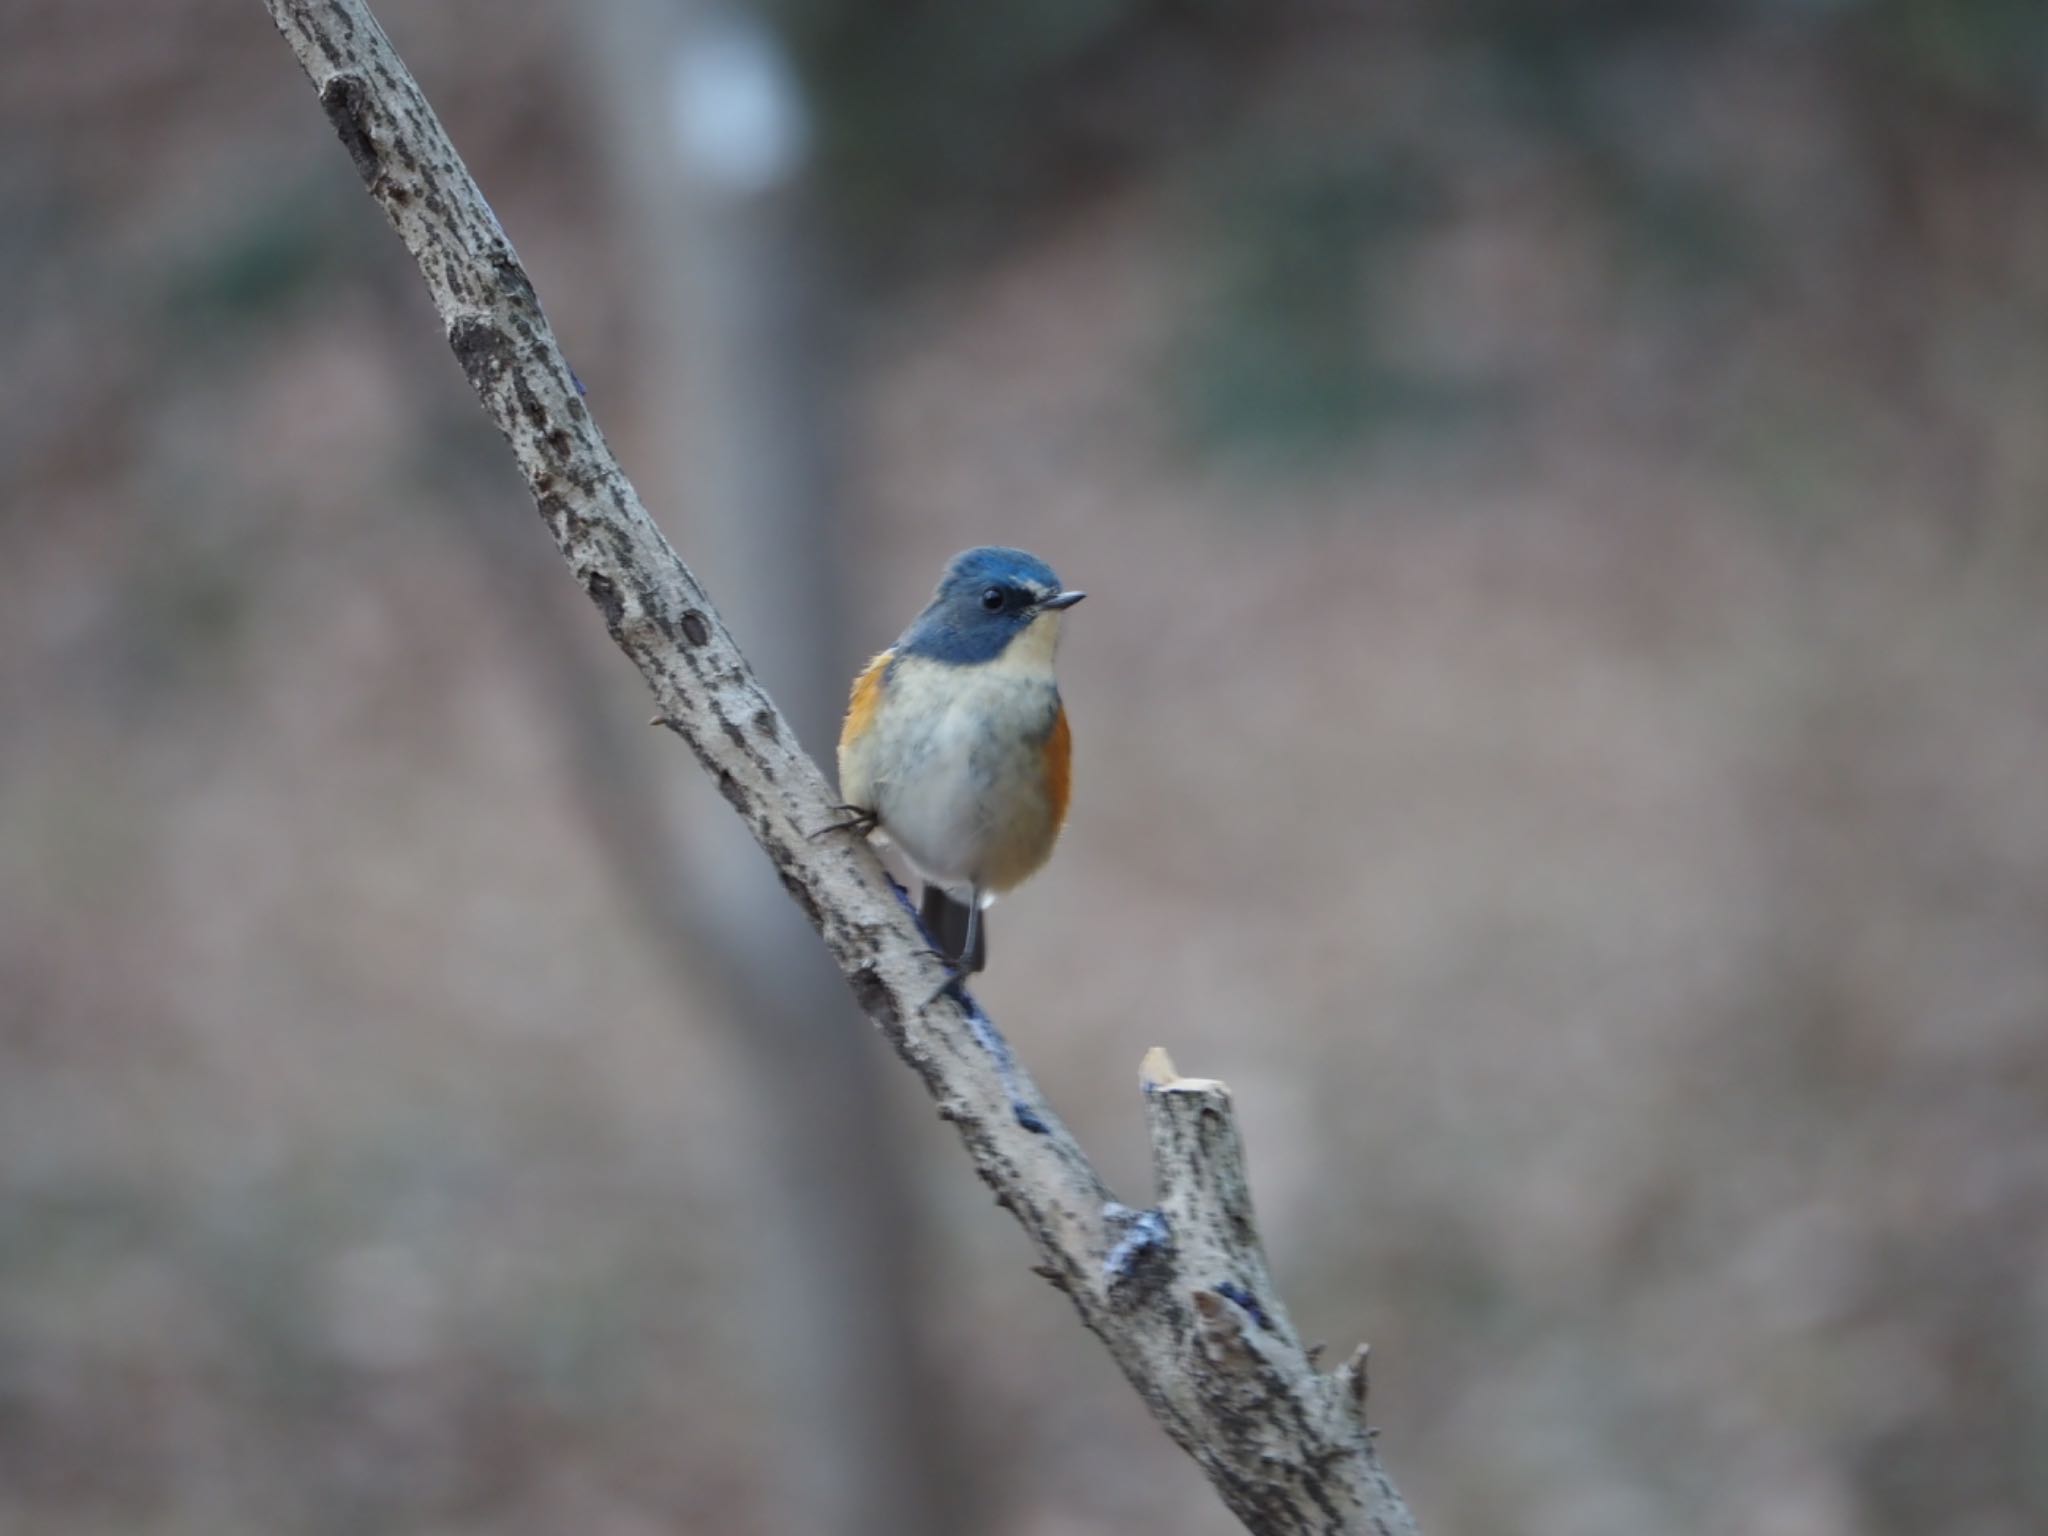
(867, 698)
(857, 739)
(1059, 760)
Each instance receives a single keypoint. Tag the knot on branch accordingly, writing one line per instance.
(346, 100)
(1352, 1385)
(1141, 1257)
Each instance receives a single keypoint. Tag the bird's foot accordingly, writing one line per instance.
(957, 974)
(858, 822)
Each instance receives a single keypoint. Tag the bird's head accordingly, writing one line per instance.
(988, 598)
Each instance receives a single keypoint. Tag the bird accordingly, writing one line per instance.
(955, 746)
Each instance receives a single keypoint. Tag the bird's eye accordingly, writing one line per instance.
(992, 599)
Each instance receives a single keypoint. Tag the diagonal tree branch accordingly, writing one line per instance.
(1179, 1293)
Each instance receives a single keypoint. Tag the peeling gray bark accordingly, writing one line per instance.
(1179, 1292)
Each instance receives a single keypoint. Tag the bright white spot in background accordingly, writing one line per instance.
(738, 114)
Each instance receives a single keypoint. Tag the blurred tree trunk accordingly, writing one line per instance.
(707, 140)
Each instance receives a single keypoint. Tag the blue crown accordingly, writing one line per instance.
(973, 571)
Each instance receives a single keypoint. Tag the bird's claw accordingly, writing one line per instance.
(957, 976)
(857, 821)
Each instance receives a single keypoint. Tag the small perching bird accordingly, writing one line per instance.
(955, 745)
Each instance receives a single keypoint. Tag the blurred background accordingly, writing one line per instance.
(1561, 720)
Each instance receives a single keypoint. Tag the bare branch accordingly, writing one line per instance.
(1179, 1292)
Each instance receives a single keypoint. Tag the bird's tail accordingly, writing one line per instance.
(945, 919)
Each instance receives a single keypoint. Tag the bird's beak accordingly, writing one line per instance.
(1062, 600)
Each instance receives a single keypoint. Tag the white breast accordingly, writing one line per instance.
(959, 766)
